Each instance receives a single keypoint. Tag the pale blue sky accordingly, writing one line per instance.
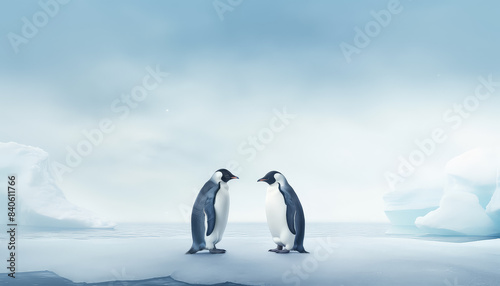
(226, 78)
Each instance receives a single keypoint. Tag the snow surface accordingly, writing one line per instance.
(469, 203)
(40, 201)
(48, 278)
(346, 260)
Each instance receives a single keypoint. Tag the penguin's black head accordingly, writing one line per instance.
(226, 175)
(269, 177)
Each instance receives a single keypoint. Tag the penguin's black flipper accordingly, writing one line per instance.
(294, 216)
(290, 208)
(210, 209)
(198, 217)
(290, 218)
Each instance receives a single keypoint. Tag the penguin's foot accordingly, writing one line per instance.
(191, 251)
(217, 251)
(278, 248)
(283, 251)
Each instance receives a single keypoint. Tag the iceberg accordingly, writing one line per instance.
(468, 204)
(39, 200)
(459, 213)
(404, 206)
(493, 208)
(475, 172)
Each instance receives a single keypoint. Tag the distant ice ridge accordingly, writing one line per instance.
(40, 201)
(468, 204)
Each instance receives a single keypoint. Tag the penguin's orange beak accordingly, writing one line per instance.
(234, 177)
(262, 180)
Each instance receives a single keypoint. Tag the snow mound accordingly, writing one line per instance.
(469, 203)
(40, 202)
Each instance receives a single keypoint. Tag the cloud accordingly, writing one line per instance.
(226, 78)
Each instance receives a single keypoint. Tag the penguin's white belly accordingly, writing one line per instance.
(276, 218)
(221, 214)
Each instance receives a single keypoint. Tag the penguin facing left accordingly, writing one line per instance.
(212, 201)
(285, 216)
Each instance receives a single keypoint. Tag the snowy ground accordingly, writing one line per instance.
(333, 260)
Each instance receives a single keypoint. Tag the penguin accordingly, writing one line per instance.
(285, 216)
(212, 201)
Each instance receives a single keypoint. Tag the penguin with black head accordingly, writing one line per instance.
(212, 201)
(285, 216)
